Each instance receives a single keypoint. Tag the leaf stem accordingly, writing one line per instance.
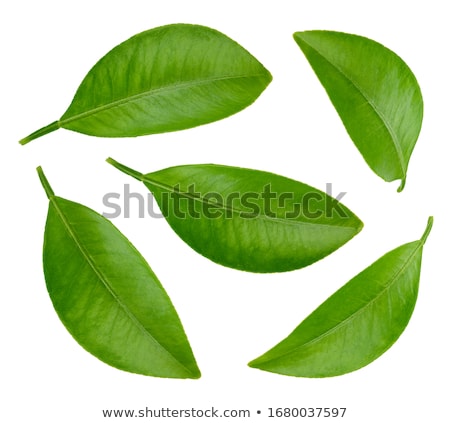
(402, 185)
(45, 183)
(127, 170)
(427, 230)
(45, 130)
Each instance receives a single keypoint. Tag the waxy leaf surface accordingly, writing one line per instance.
(375, 94)
(357, 324)
(166, 79)
(248, 219)
(108, 297)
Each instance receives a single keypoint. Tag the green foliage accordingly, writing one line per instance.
(375, 94)
(249, 219)
(166, 79)
(357, 324)
(108, 297)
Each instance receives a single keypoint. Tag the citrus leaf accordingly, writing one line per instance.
(357, 324)
(165, 79)
(375, 94)
(107, 296)
(248, 219)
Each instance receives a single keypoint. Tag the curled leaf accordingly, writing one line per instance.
(357, 324)
(248, 219)
(165, 79)
(108, 297)
(375, 94)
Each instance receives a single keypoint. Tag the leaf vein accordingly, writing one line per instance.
(106, 284)
(355, 314)
(150, 93)
(378, 112)
(234, 209)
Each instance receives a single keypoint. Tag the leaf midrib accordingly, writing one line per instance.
(378, 112)
(109, 288)
(352, 316)
(270, 219)
(153, 92)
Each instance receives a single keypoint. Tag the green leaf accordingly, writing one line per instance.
(375, 94)
(108, 297)
(166, 79)
(248, 219)
(357, 324)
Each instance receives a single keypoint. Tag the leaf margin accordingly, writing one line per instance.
(403, 157)
(189, 373)
(268, 356)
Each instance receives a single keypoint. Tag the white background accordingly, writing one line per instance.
(230, 317)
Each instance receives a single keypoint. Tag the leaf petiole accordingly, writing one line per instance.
(45, 183)
(43, 131)
(402, 185)
(427, 230)
(125, 169)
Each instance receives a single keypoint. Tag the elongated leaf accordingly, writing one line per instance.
(357, 324)
(107, 296)
(375, 94)
(248, 219)
(166, 79)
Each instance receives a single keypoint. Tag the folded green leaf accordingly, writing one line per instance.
(375, 94)
(107, 296)
(357, 324)
(248, 219)
(166, 79)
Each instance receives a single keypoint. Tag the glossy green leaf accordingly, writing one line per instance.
(248, 219)
(107, 296)
(375, 94)
(357, 324)
(166, 79)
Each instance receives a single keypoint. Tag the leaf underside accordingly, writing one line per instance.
(357, 324)
(375, 94)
